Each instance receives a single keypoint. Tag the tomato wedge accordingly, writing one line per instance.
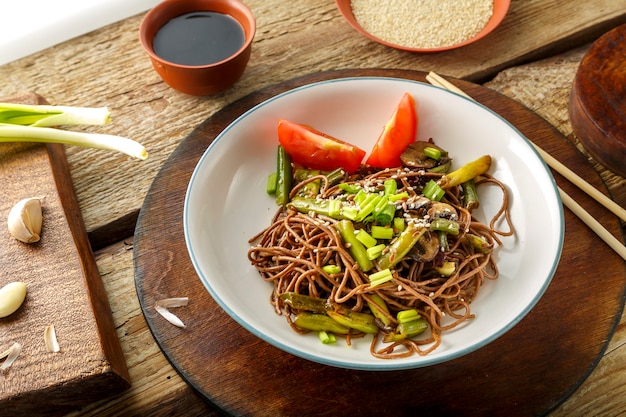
(316, 150)
(399, 132)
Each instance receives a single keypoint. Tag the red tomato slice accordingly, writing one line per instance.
(316, 150)
(399, 132)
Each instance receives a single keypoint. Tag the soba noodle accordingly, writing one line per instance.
(291, 253)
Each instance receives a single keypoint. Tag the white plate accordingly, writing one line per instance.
(226, 204)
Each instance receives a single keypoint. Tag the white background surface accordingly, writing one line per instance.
(29, 26)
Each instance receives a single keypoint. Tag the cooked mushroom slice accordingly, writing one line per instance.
(415, 155)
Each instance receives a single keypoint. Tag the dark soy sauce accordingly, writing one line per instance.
(199, 38)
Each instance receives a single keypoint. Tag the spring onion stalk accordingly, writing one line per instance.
(49, 116)
(380, 277)
(466, 172)
(17, 133)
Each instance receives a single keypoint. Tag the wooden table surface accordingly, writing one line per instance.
(532, 57)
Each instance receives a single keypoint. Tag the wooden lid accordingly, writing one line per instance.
(598, 101)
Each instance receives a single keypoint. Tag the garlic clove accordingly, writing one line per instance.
(12, 296)
(25, 220)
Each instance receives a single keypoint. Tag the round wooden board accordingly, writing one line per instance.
(528, 371)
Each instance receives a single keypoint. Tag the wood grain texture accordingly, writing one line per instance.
(107, 67)
(64, 290)
(544, 87)
(486, 382)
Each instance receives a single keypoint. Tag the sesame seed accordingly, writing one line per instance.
(432, 23)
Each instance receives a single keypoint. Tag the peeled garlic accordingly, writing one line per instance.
(25, 219)
(12, 296)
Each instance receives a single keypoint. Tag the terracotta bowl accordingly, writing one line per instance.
(199, 80)
(500, 9)
(597, 106)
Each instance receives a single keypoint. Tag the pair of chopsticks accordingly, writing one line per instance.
(568, 201)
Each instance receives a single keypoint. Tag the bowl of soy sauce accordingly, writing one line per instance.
(199, 47)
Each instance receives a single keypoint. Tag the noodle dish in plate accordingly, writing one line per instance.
(382, 267)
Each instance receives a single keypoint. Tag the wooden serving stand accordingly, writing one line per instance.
(528, 371)
(64, 289)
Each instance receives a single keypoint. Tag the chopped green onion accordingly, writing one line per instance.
(400, 196)
(334, 208)
(432, 153)
(380, 277)
(398, 224)
(365, 238)
(331, 269)
(433, 191)
(391, 186)
(367, 205)
(326, 338)
(350, 188)
(375, 251)
(447, 269)
(406, 316)
(380, 232)
(271, 183)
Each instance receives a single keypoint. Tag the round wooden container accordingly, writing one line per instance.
(597, 105)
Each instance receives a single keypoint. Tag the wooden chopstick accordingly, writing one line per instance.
(568, 201)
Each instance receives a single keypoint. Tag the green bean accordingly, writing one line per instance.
(362, 322)
(319, 322)
(401, 246)
(304, 302)
(356, 248)
(283, 177)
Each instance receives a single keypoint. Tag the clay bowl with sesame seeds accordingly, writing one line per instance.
(227, 205)
(432, 26)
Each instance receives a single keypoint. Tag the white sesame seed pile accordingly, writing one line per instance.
(423, 23)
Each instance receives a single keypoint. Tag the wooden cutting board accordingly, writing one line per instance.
(526, 372)
(64, 290)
